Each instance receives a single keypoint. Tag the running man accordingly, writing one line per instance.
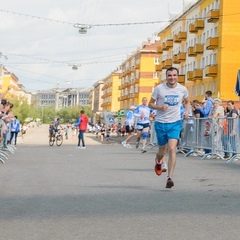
(142, 112)
(129, 127)
(166, 99)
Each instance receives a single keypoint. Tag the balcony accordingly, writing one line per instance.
(137, 66)
(169, 44)
(182, 36)
(136, 80)
(158, 68)
(192, 28)
(167, 63)
(175, 59)
(213, 16)
(159, 49)
(190, 76)
(128, 71)
(198, 48)
(181, 78)
(211, 71)
(199, 24)
(197, 74)
(211, 43)
(181, 57)
(127, 84)
(191, 52)
(164, 46)
(176, 39)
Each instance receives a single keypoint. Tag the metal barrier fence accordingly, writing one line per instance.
(211, 138)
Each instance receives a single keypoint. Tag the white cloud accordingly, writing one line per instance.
(38, 39)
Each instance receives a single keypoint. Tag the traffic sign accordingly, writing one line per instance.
(111, 120)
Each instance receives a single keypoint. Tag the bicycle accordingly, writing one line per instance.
(58, 138)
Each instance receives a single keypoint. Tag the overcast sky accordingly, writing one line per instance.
(41, 52)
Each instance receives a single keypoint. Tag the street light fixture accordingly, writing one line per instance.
(82, 29)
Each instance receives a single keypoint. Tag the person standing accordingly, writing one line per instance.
(129, 127)
(166, 99)
(207, 104)
(231, 130)
(82, 126)
(142, 112)
(15, 129)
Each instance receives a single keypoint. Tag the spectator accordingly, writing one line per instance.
(15, 129)
(205, 109)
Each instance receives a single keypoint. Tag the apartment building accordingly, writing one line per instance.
(8, 79)
(111, 92)
(97, 101)
(202, 42)
(139, 75)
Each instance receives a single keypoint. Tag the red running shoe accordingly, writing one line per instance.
(158, 167)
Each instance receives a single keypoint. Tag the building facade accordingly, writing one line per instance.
(202, 43)
(111, 92)
(62, 98)
(139, 75)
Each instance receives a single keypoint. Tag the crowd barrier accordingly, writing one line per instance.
(5, 149)
(208, 138)
(211, 138)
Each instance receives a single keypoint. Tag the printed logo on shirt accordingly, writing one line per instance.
(171, 100)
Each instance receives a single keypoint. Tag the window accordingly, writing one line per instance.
(213, 87)
(214, 59)
(202, 89)
(203, 63)
(156, 60)
(155, 75)
(215, 32)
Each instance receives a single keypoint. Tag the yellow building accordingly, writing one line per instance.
(139, 75)
(203, 43)
(111, 92)
(9, 79)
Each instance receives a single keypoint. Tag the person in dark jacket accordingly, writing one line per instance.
(82, 127)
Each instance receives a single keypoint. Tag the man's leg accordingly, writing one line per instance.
(130, 135)
(160, 156)
(172, 146)
(79, 138)
(138, 138)
(144, 136)
(11, 137)
(16, 134)
(82, 137)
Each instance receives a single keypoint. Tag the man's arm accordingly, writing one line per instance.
(206, 110)
(152, 104)
(187, 107)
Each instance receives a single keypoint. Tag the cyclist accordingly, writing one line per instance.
(53, 128)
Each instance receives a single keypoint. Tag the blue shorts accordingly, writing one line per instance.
(166, 131)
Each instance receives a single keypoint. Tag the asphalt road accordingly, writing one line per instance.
(107, 192)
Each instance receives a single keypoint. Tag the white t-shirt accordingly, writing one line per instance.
(173, 98)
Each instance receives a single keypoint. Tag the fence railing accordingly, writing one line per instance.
(209, 138)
